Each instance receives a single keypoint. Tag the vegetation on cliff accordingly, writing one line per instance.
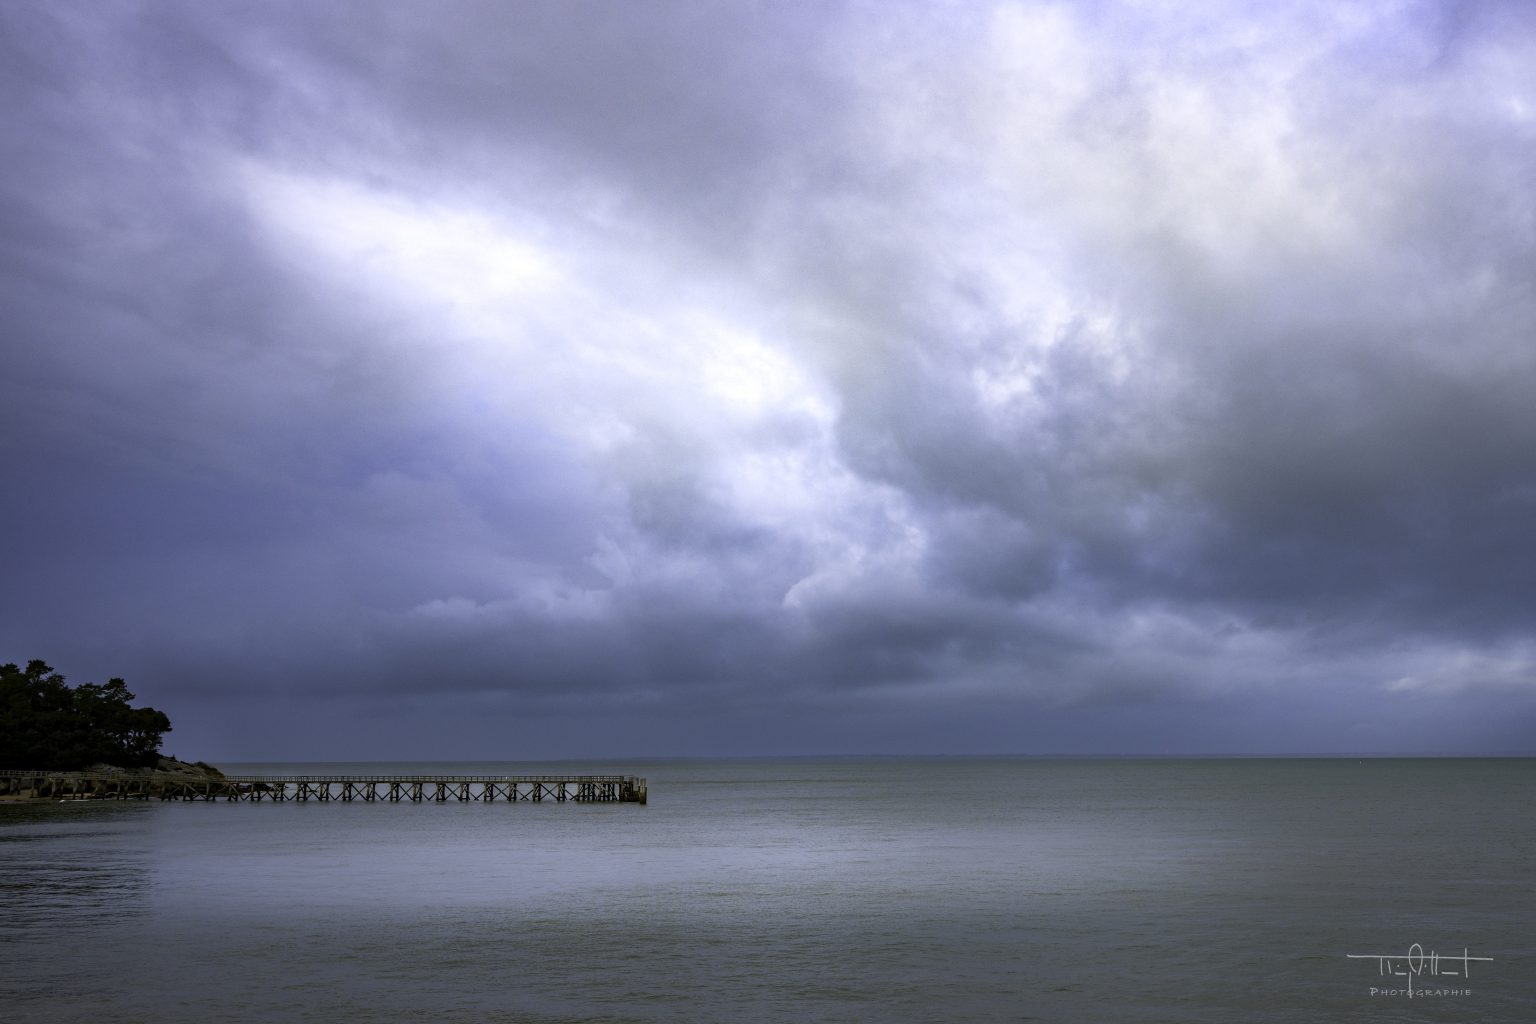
(47, 724)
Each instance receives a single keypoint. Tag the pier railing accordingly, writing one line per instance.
(326, 788)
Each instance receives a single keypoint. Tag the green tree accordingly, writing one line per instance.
(47, 724)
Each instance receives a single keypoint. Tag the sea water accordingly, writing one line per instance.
(889, 890)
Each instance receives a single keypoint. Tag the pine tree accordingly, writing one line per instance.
(46, 724)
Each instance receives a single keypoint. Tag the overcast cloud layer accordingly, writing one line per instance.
(510, 379)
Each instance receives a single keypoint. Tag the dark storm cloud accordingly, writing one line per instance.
(751, 364)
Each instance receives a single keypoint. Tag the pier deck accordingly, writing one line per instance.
(328, 788)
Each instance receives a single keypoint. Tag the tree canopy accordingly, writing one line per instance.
(47, 724)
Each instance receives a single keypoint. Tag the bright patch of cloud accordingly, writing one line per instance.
(389, 242)
(1467, 670)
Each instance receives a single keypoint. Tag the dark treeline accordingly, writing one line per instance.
(47, 724)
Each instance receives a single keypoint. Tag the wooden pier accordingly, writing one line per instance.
(581, 789)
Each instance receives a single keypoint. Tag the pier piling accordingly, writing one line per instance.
(404, 788)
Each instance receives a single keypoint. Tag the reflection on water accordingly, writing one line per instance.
(75, 889)
(1202, 892)
(71, 865)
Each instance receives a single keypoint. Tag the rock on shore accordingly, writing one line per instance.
(24, 789)
(164, 766)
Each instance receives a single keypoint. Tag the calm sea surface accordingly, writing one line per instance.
(795, 890)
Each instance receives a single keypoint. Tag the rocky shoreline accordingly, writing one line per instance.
(165, 766)
(167, 769)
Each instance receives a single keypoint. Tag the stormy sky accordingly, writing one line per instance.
(604, 379)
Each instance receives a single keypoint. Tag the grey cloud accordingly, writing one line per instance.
(1144, 361)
